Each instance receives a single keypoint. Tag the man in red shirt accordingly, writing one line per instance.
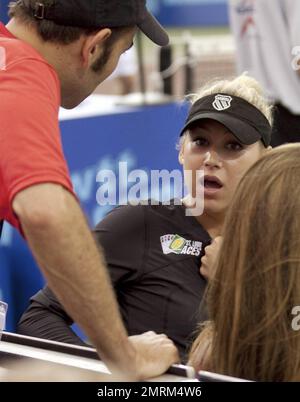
(56, 53)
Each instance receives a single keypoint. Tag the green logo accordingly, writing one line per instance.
(177, 244)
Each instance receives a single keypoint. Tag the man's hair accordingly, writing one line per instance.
(49, 31)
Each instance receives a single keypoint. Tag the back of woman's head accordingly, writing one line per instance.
(257, 281)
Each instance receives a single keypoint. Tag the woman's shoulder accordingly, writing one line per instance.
(135, 213)
(122, 217)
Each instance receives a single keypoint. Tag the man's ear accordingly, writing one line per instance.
(93, 46)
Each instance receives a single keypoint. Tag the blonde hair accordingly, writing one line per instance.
(257, 279)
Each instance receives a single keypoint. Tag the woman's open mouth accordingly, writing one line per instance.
(212, 184)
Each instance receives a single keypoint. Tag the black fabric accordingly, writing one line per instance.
(101, 13)
(247, 123)
(155, 291)
(47, 319)
(286, 126)
(1, 227)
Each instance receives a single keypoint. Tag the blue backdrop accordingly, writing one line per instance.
(144, 137)
(3, 10)
(184, 13)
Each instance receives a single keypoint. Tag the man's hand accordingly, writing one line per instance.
(208, 261)
(155, 354)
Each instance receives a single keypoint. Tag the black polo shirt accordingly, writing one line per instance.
(153, 254)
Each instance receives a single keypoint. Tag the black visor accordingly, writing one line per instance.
(245, 121)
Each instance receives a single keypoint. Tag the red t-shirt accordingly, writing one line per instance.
(30, 144)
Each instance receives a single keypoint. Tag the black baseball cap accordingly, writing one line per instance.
(247, 123)
(100, 13)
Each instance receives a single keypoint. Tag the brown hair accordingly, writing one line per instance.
(49, 31)
(257, 279)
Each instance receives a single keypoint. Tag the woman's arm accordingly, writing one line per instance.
(45, 318)
(121, 236)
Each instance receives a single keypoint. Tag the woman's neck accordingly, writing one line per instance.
(212, 223)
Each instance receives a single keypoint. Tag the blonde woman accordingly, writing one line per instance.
(252, 299)
(154, 251)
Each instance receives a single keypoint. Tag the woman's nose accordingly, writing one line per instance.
(211, 158)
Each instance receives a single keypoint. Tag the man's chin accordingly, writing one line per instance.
(70, 104)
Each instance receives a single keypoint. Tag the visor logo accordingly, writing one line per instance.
(222, 102)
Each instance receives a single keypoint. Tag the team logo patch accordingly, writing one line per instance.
(222, 102)
(173, 243)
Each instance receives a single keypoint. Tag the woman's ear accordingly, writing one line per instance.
(181, 146)
(181, 157)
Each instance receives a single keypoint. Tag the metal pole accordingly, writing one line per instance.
(165, 63)
(142, 77)
(189, 73)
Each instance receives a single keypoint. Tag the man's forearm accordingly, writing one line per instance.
(75, 270)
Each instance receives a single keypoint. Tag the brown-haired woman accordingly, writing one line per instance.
(257, 277)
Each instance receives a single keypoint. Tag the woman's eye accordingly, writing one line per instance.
(234, 146)
(200, 141)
